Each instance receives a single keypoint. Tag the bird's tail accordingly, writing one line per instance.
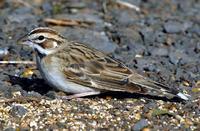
(157, 89)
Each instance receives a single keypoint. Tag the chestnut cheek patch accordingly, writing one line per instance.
(49, 44)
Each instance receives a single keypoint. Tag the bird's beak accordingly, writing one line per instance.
(23, 40)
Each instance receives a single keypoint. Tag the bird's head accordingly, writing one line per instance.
(43, 40)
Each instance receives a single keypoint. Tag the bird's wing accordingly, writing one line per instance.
(92, 68)
(103, 74)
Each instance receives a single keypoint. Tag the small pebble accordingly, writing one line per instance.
(160, 52)
(140, 125)
(3, 52)
(174, 27)
(18, 111)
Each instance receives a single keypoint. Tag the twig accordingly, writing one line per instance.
(23, 2)
(68, 22)
(18, 62)
(129, 5)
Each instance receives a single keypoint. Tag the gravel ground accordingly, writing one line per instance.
(162, 42)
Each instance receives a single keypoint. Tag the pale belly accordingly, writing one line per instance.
(55, 78)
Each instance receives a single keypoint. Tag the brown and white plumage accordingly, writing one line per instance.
(76, 68)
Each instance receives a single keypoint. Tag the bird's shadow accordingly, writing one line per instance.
(32, 84)
(39, 85)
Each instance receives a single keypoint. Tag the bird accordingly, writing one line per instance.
(81, 70)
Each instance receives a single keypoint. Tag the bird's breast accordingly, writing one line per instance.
(51, 70)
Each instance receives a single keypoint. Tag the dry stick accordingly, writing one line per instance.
(23, 3)
(68, 22)
(18, 62)
(129, 5)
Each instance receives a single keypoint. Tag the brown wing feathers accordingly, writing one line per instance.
(106, 76)
(104, 73)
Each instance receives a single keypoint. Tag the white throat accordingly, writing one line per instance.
(42, 50)
(39, 48)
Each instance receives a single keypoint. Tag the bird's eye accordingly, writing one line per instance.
(41, 37)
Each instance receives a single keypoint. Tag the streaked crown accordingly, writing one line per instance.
(44, 40)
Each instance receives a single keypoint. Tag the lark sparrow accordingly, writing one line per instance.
(81, 70)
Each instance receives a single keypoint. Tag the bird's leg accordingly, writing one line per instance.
(79, 95)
